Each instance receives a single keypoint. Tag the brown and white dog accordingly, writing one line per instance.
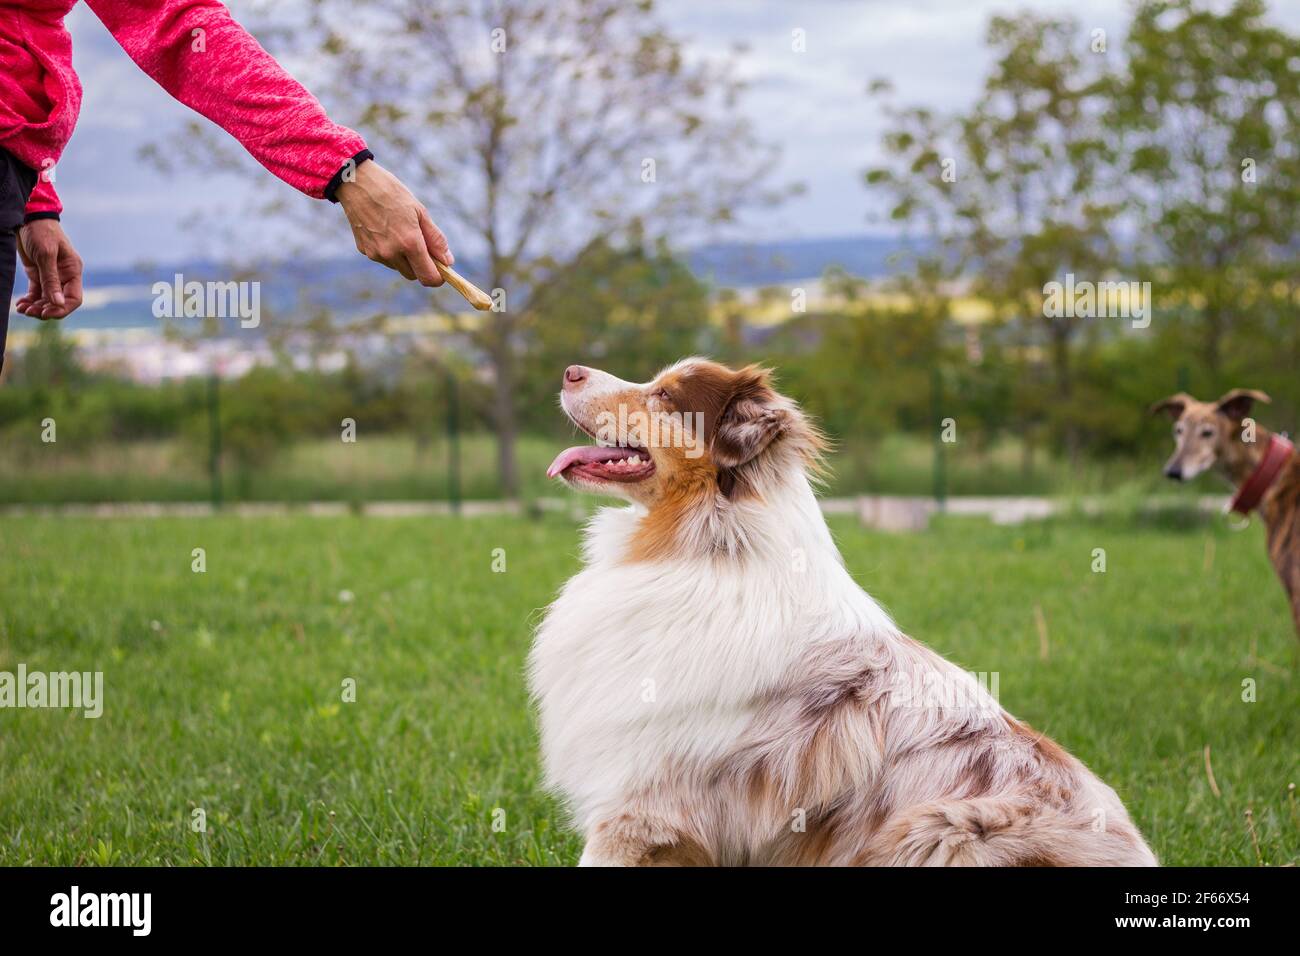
(1262, 466)
(714, 688)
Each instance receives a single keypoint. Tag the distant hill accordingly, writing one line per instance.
(122, 298)
(770, 263)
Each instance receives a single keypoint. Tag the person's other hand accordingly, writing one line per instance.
(390, 226)
(53, 270)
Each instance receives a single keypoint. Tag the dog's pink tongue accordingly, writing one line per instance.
(583, 453)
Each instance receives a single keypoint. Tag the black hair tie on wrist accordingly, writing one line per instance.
(337, 180)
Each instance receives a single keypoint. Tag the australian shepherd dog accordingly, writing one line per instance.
(714, 688)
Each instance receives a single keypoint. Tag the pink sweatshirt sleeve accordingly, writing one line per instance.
(44, 201)
(197, 52)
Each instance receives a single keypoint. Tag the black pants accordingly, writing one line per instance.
(16, 184)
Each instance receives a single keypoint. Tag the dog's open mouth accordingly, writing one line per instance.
(599, 463)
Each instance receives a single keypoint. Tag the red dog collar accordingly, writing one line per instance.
(1252, 490)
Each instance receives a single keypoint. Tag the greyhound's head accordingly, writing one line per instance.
(1207, 434)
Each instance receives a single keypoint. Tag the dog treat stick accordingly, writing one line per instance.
(472, 293)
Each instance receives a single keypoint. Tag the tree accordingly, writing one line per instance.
(642, 310)
(1014, 193)
(530, 130)
(1209, 107)
(51, 362)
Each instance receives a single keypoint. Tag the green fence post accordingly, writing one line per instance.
(936, 411)
(453, 443)
(214, 438)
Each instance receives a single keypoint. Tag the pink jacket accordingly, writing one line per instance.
(197, 53)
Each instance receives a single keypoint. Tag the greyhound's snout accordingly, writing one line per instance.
(1174, 472)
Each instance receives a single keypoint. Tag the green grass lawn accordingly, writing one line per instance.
(223, 689)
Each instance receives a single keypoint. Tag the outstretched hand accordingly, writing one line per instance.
(391, 226)
(53, 270)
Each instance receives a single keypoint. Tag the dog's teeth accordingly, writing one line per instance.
(634, 460)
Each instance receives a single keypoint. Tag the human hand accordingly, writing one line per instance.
(53, 270)
(391, 226)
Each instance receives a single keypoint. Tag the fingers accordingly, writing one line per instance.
(434, 240)
(408, 256)
(36, 304)
(72, 297)
(33, 301)
(393, 256)
(44, 309)
(418, 249)
(47, 267)
(417, 254)
(31, 298)
(401, 265)
(72, 291)
(70, 283)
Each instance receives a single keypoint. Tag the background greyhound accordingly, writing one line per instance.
(1261, 465)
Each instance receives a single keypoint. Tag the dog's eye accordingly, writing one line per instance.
(1178, 429)
(1207, 432)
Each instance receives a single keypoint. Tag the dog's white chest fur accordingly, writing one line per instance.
(641, 667)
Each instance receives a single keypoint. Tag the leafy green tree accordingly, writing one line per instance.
(1013, 193)
(260, 418)
(633, 309)
(51, 362)
(1209, 108)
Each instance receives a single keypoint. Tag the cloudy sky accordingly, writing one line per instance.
(813, 104)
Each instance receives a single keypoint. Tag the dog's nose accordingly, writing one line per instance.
(574, 376)
(1175, 472)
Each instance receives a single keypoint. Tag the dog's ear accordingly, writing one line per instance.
(1237, 403)
(1173, 405)
(753, 417)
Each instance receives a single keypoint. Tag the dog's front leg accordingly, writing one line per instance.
(637, 839)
